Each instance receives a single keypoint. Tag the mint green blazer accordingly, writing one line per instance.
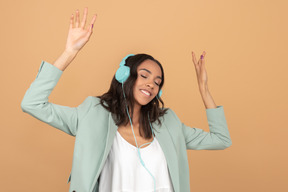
(94, 130)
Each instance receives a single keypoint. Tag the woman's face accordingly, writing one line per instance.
(146, 86)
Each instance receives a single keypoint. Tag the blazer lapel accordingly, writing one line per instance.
(164, 138)
(112, 128)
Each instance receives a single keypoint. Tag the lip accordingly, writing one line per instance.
(146, 91)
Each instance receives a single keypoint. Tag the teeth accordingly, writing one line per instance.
(145, 92)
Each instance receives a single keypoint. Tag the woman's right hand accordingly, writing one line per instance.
(78, 35)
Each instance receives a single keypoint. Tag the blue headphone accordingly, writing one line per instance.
(121, 76)
(123, 73)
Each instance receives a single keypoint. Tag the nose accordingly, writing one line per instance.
(149, 84)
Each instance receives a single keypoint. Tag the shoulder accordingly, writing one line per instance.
(173, 123)
(94, 102)
(90, 102)
(170, 116)
(94, 99)
(169, 112)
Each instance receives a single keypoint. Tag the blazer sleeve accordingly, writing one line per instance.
(218, 138)
(35, 102)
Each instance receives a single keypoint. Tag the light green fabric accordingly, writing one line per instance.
(94, 130)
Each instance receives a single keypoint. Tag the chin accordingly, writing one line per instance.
(146, 103)
(143, 103)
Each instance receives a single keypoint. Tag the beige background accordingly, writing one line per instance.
(246, 45)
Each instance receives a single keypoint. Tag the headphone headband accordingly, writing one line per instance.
(122, 63)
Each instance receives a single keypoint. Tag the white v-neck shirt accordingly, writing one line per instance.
(123, 171)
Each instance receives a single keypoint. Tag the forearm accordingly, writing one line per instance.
(207, 97)
(65, 59)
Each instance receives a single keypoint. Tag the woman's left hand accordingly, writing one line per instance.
(202, 81)
(200, 70)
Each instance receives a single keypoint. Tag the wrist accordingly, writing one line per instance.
(70, 52)
(65, 59)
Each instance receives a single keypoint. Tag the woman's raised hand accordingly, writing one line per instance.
(200, 69)
(202, 80)
(78, 34)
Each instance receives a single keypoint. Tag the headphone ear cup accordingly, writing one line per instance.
(123, 71)
(122, 74)
(159, 94)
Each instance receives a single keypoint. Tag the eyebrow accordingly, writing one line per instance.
(150, 73)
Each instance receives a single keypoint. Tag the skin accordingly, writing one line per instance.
(147, 81)
(202, 79)
(79, 35)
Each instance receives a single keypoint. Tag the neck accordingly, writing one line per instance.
(136, 115)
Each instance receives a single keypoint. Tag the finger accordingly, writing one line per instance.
(84, 17)
(203, 58)
(194, 58)
(77, 18)
(90, 27)
(204, 53)
(71, 21)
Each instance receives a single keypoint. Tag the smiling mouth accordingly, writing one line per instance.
(145, 93)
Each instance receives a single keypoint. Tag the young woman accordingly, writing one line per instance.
(124, 140)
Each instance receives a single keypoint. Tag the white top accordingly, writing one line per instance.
(123, 171)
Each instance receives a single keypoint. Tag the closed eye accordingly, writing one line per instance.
(146, 77)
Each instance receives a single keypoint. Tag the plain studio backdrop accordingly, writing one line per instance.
(246, 60)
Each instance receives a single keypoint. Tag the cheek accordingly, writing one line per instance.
(137, 83)
(134, 89)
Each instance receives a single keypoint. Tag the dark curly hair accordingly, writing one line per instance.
(115, 101)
